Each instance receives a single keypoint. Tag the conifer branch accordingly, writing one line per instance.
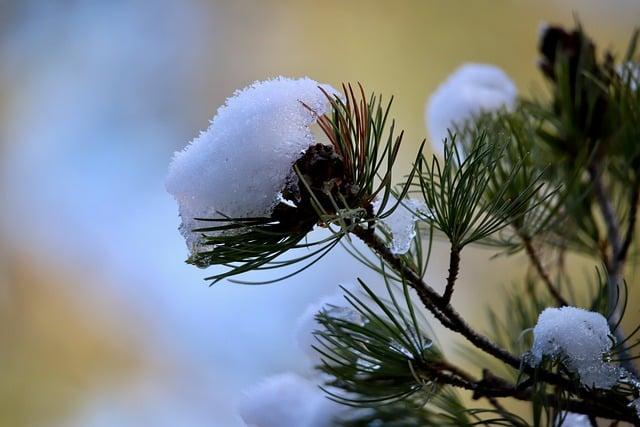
(432, 301)
(496, 186)
(451, 319)
(493, 387)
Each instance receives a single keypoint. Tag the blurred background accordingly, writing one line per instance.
(102, 324)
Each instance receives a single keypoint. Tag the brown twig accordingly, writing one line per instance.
(454, 268)
(616, 259)
(607, 210)
(492, 387)
(631, 223)
(432, 300)
(535, 260)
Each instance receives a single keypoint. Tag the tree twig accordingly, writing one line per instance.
(492, 387)
(454, 268)
(535, 260)
(607, 210)
(616, 259)
(432, 300)
(631, 222)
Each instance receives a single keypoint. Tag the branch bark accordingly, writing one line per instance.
(454, 268)
(432, 301)
(631, 222)
(492, 388)
(535, 260)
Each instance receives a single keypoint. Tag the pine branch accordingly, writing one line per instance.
(432, 301)
(593, 403)
(492, 387)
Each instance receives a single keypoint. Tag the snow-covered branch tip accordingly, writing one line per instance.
(290, 168)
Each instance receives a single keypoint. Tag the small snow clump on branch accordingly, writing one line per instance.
(238, 167)
(471, 90)
(402, 222)
(580, 339)
(288, 400)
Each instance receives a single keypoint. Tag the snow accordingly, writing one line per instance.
(334, 305)
(401, 223)
(288, 400)
(579, 338)
(574, 420)
(240, 164)
(471, 90)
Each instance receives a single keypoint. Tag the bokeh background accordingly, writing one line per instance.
(101, 322)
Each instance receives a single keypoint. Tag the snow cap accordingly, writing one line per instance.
(471, 90)
(240, 164)
(579, 338)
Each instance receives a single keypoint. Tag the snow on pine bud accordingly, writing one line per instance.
(580, 339)
(239, 166)
(288, 400)
(471, 90)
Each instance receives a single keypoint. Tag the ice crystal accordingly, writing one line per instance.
(398, 347)
(240, 164)
(402, 223)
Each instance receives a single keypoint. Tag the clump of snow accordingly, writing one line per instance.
(569, 419)
(402, 222)
(240, 164)
(580, 339)
(288, 400)
(471, 90)
(334, 305)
